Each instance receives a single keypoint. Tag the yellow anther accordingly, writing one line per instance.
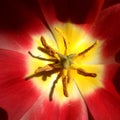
(49, 50)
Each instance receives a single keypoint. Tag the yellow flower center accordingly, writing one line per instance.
(71, 57)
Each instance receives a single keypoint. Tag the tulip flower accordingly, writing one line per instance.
(59, 60)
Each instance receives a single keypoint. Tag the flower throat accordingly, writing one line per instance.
(60, 64)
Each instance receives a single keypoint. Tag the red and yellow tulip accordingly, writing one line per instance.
(60, 60)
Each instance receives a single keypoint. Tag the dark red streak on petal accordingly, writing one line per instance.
(116, 81)
(117, 57)
(111, 78)
(3, 114)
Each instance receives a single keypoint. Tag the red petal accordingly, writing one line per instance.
(17, 41)
(76, 11)
(73, 110)
(107, 28)
(19, 20)
(18, 14)
(46, 110)
(16, 94)
(111, 78)
(104, 105)
(108, 3)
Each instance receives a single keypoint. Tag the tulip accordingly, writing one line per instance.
(60, 60)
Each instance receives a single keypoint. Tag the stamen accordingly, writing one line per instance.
(44, 69)
(64, 82)
(49, 50)
(42, 49)
(68, 75)
(53, 86)
(31, 76)
(65, 44)
(39, 70)
(84, 73)
(46, 52)
(62, 63)
(88, 49)
(40, 58)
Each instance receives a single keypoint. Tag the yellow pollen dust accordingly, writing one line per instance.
(65, 62)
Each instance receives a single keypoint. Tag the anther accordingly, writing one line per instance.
(84, 73)
(39, 70)
(40, 58)
(49, 50)
(64, 82)
(53, 86)
(88, 49)
(44, 69)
